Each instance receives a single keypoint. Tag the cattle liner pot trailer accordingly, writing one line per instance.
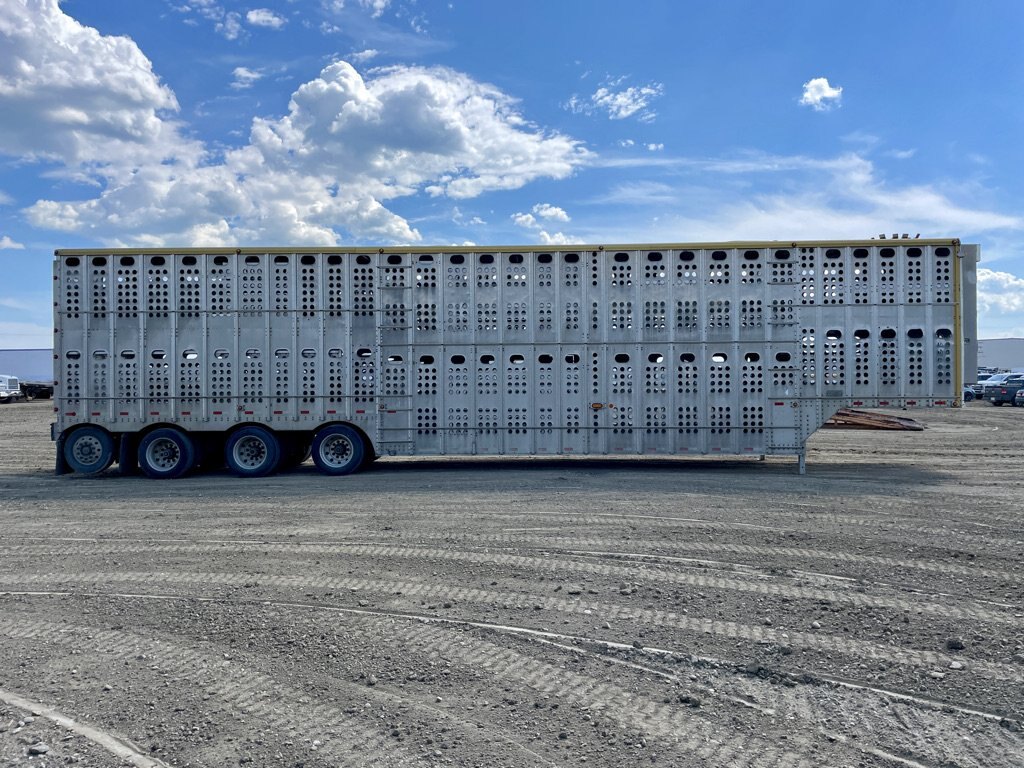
(169, 358)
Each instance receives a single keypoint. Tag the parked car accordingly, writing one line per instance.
(1018, 399)
(979, 387)
(1005, 390)
(968, 393)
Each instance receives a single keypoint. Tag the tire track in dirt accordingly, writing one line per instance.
(967, 610)
(279, 706)
(112, 743)
(828, 644)
(555, 545)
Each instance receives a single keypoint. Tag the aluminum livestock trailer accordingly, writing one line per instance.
(168, 358)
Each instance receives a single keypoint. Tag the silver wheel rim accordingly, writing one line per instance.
(87, 450)
(336, 451)
(163, 454)
(250, 452)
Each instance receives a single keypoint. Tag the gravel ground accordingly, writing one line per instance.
(520, 613)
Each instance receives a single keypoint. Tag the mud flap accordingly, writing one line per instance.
(62, 467)
(127, 458)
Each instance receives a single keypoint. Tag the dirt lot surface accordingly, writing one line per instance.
(523, 613)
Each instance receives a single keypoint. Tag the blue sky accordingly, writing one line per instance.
(366, 122)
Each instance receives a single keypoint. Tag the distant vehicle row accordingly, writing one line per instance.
(12, 390)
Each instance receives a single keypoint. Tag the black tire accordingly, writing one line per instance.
(252, 451)
(166, 454)
(89, 450)
(338, 450)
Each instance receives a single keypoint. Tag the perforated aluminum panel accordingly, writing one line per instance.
(730, 348)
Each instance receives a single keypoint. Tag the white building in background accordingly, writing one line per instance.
(1001, 353)
(27, 364)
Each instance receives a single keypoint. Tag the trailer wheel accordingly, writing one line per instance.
(338, 450)
(89, 450)
(166, 453)
(252, 452)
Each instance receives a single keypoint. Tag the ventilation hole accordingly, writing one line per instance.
(887, 253)
(572, 359)
(127, 354)
(426, 359)
(394, 258)
(308, 260)
(942, 252)
(719, 255)
(622, 357)
(74, 262)
(688, 357)
(515, 258)
(335, 352)
(834, 334)
(888, 333)
(861, 333)
(914, 253)
(752, 255)
(517, 359)
(719, 357)
(364, 352)
(458, 360)
(572, 258)
(100, 354)
(751, 357)
(544, 258)
(833, 253)
(621, 257)
(218, 354)
(157, 261)
(334, 259)
(655, 358)
(782, 255)
(426, 257)
(687, 256)
(281, 353)
(545, 359)
(280, 259)
(487, 359)
(861, 253)
(395, 359)
(190, 354)
(783, 357)
(944, 333)
(220, 261)
(252, 259)
(362, 259)
(458, 258)
(99, 261)
(915, 333)
(655, 256)
(308, 353)
(487, 259)
(158, 354)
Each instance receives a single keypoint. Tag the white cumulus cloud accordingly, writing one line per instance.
(70, 94)
(821, 96)
(264, 17)
(550, 212)
(322, 173)
(7, 244)
(245, 77)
